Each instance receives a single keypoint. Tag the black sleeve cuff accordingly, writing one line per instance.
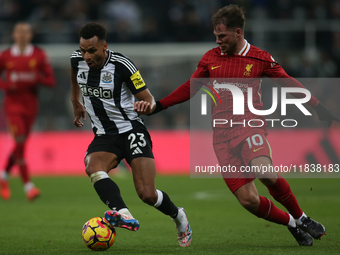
(158, 108)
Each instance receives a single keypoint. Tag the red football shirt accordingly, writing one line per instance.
(247, 66)
(23, 73)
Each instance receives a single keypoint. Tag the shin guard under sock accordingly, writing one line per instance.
(108, 191)
(165, 205)
(282, 193)
(268, 211)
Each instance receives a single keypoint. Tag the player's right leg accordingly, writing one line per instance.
(282, 193)
(99, 160)
(143, 170)
(20, 125)
(314, 228)
(5, 191)
(263, 208)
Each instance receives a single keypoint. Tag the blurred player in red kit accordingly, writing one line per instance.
(242, 146)
(26, 66)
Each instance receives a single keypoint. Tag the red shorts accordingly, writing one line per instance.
(237, 153)
(20, 123)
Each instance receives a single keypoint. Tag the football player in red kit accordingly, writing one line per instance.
(26, 66)
(236, 58)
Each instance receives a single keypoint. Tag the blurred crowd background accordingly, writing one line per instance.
(167, 38)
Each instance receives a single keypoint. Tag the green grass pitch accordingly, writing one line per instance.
(52, 224)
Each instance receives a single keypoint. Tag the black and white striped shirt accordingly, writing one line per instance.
(108, 93)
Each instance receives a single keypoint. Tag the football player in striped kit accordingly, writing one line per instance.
(109, 83)
(241, 145)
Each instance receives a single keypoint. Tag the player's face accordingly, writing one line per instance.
(227, 39)
(22, 34)
(94, 52)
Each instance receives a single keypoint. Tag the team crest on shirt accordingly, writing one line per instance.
(9, 65)
(32, 63)
(107, 78)
(248, 69)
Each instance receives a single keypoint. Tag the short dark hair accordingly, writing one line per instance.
(231, 16)
(92, 29)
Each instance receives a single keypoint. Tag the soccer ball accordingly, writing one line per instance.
(98, 234)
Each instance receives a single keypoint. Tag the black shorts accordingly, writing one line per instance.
(132, 144)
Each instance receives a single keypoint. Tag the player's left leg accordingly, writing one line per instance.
(280, 190)
(31, 191)
(143, 170)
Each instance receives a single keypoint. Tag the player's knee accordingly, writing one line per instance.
(18, 152)
(251, 204)
(147, 196)
(90, 170)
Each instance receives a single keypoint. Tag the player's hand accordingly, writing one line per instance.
(158, 107)
(144, 107)
(325, 114)
(79, 113)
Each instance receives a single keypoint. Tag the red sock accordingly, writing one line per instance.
(24, 173)
(10, 163)
(18, 154)
(268, 211)
(282, 193)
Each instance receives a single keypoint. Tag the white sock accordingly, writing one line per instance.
(4, 175)
(298, 221)
(291, 222)
(28, 186)
(98, 176)
(180, 221)
(159, 198)
(125, 211)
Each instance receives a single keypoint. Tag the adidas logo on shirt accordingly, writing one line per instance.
(82, 75)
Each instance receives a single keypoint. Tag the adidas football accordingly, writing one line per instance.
(98, 234)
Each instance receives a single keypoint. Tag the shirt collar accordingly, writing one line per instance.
(244, 50)
(15, 51)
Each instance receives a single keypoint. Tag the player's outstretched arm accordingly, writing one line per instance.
(179, 95)
(146, 103)
(78, 107)
(158, 108)
(325, 114)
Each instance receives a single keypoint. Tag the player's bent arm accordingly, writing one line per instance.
(47, 78)
(322, 111)
(3, 84)
(78, 107)
(146, 102)
(325, 114)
